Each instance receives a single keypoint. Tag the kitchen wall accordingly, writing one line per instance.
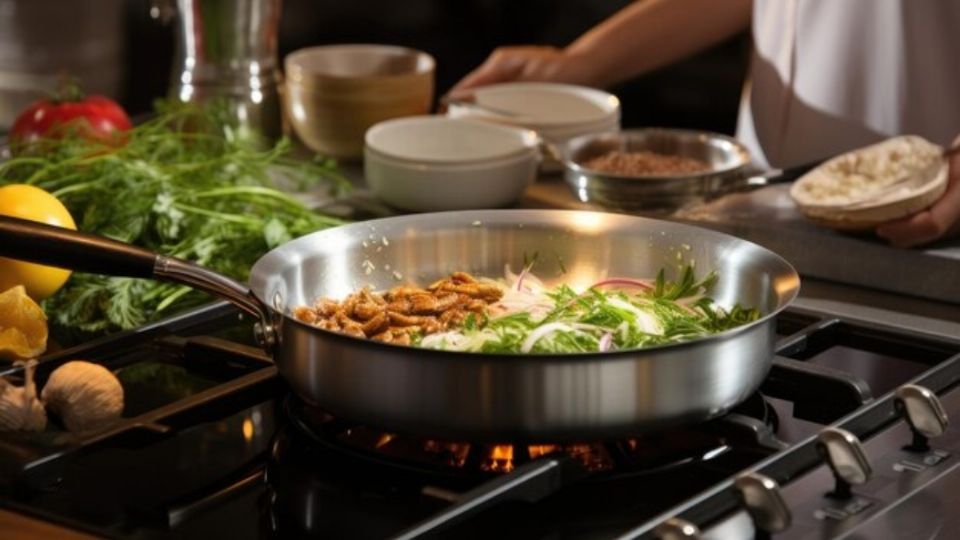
(701, 92)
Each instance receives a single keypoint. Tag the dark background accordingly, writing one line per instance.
(701, 92)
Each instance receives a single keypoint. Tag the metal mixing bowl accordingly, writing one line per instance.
(727, 158)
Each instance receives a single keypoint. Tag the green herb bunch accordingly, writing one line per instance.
(184, 183)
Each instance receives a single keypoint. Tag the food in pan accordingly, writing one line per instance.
(645, 163)
(871, 185)
(519, 314)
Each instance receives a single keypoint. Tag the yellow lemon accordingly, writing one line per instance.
(23, 326)
(29, 202)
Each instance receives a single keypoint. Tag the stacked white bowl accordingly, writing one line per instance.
(557, 112)
(430, 163)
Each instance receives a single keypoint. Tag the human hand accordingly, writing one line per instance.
(940, 220)
(525, 63)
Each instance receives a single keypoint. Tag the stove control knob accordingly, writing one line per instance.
(844, 453)
(761, 496)
(923, 412)
(676, 529)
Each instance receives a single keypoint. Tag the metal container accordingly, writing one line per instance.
(228, 49)
(474, 396)
(727, 158)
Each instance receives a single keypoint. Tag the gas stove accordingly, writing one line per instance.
(212, 444)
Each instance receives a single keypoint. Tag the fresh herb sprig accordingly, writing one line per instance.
(185, 183)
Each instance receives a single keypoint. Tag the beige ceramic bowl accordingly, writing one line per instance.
(335, 92)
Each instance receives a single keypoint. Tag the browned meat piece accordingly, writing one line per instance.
(486, 291)
(402, 319)
(476, 306)
(403, 291)
(428, 324)
(447, 301)
(424, 303)
(377, 324)
(386, 337)
(366, 311)
(328, 324)
(432, 325)
(348, 305)
(452, 317)
(401, 339)
(462, 277)
(349, 326)
(305, 314)
(326, 307)
(400, 306)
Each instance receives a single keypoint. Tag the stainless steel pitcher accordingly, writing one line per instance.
(228, 49)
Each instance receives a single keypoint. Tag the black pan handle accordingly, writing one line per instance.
(64, 248)
(55, 246)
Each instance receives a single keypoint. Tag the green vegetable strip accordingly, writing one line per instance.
(183, 184)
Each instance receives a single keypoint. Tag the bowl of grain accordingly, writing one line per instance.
(653, 168)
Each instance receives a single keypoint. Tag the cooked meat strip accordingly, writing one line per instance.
(423, 303)
(377, 324)
(367, 310)
(305, 314)
(403, 312)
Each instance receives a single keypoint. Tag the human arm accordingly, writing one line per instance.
(641, 37)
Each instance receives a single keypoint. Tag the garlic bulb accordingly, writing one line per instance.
(19, 407)
(86, 396)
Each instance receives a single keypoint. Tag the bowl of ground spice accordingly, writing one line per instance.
(653, 168)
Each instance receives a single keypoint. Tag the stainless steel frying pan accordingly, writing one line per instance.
(473, 396)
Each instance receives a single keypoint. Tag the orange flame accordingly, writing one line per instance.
(500, 459)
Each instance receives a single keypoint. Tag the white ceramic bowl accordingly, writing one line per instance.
(557, 112)
(431, 163)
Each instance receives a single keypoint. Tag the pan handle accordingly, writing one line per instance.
(55, 246)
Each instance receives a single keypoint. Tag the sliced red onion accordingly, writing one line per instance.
(625, 282)
(606, 341)
(523, 274)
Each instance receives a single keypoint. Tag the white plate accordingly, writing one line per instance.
(543, 105)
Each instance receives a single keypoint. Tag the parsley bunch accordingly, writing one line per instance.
(185, 183)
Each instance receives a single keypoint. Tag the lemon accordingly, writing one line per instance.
(23, 326)
(29, 202)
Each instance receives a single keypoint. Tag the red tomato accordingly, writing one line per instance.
(96, 117)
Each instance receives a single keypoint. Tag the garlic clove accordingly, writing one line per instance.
(85, 395)
(19, 407)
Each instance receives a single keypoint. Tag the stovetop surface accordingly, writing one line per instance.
(208, 446)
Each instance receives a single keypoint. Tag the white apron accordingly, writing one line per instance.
(832, 75)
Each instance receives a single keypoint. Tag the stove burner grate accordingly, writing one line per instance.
(751, 424)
